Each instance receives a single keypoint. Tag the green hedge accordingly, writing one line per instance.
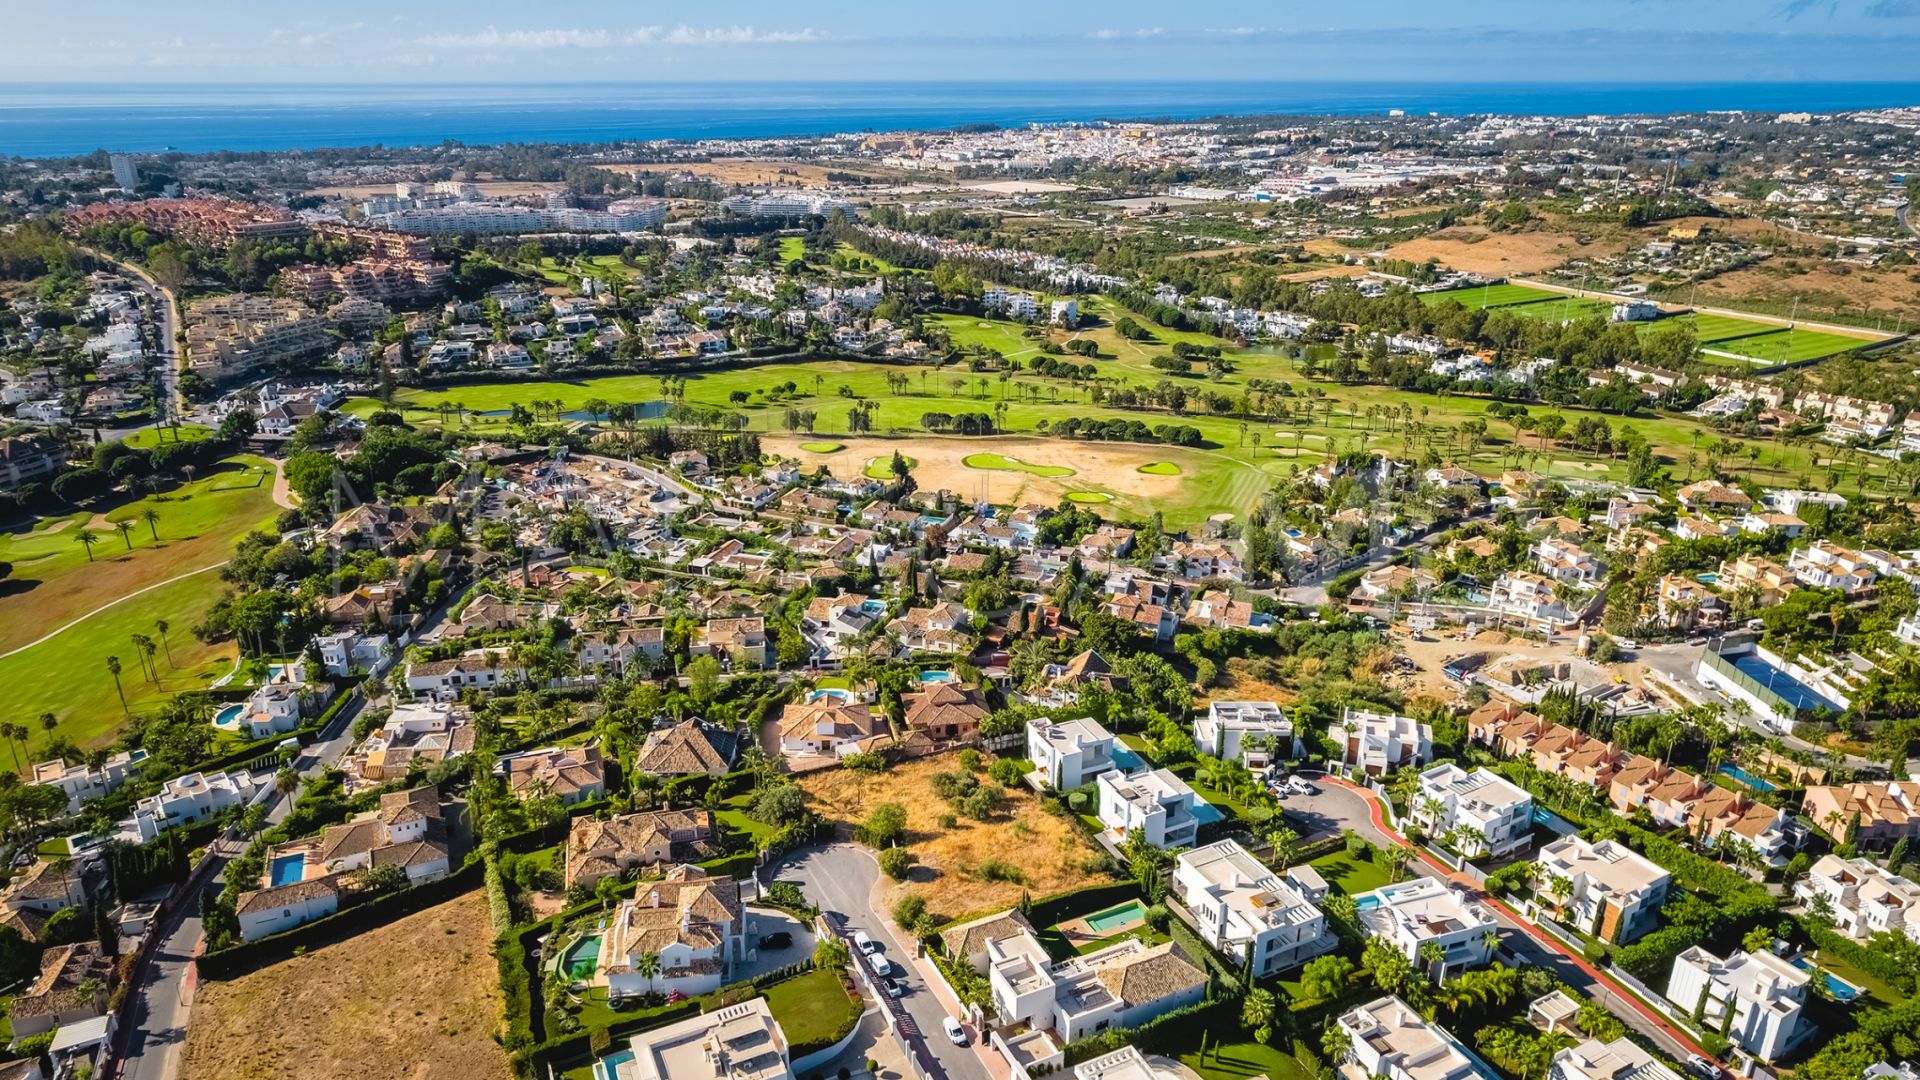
(1882, 965)
(1048, 910)
(1170, 1034)
(1200, 952)
(247, 956)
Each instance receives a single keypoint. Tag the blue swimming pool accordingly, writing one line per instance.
(1747, 778)
(287, 869)
(229, 716)
(1839, 988)
(1365, 902)
(1788, 687)
(936, 676)
(832, 692)
(608, 1068)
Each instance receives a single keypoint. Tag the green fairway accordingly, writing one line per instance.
(823, 447)
(1089, 497)
(1562, 308)
(792, 248)
(1006, 338)
(997, 461)
(1479, 297)
(881, 468)
(1160, 468)
(147, 438)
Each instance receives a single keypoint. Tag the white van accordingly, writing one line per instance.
(864, 943)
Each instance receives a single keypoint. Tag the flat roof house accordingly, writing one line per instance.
(1254, 733)
(1155, 801)
(1414, 913)
(1069, 753)
(1621, 1059)
(739, 1042)
(1479, 810)
(1613, 892)
(1753, 999)
(1123, 985)
(1378, 743)
(1247, 912)
(1386, 1037)
(1864, 899)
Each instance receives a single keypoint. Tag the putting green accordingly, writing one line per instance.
(881, 468)
(1159, 468)
(1006, 464)
(822, 447)
(1089, 497)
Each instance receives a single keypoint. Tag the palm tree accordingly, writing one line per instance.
(1397, 860)
(1336, 1044)
(647, 965)
(1435, 957)
(151, 517)
(1490, 940)
(87, 538)
(113, 668)
(125, 528)
(161, 625)
(6, 732)
(48, 722)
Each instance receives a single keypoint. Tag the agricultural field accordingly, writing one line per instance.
(418, 998)
(63, 613)
(1050, 855)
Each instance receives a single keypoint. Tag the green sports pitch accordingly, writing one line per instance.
(1480, 297)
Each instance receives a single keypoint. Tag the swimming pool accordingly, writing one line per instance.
(1365, 902)
(286, 869)
(936, 676)
(1841, 989)
(831, 692)
(229, 716)
(1747, 778)
(1114, 918)
(608, 1068)
(581, 957)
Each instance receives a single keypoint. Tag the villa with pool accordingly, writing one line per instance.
(690, 922)
(305, 879)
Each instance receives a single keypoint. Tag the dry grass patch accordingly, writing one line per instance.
(417, 999)
(940, 462)
(1485, 252)
(1049, 853)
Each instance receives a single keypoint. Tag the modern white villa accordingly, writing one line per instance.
(1378, 743)
(1474, 812)
(1155, 801)
(1424, 911)
(1386, 1037)
(1069, 753)
(1753, 999)
(1248, 912)
(1254, 733)
(1605, 890)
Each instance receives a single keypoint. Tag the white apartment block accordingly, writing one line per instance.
(1069, 753)
(1864, 899)
(1247, 912)
(1621, 1059)
(1826, 565)
(1254, 733)
(1388, 1038)
(1754, 999)
(190, 799)
(1481, 812)
(1155, 801)
(1422, 910)
(1378, 743)
(1612, 893)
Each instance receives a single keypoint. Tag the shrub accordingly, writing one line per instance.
(908, 909)
(948, 821)
(1007, 771)
(896, 863)
(970, 759)
(996, 869)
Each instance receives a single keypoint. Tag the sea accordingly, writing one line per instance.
(56, 120)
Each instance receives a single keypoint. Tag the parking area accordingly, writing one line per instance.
(1331, 808)
(765, 922)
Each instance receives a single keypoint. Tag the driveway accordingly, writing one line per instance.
(763, 921)
(1331, 809)
(841, 879)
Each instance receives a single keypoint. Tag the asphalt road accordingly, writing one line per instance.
(840, 878)
(166, 358)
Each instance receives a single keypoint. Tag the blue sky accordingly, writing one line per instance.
(430, 41)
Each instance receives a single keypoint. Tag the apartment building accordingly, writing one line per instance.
(1378, 743)
(1422, 911)
(28, 459)
(1387, 1038)
(1069, 753)
(499, 219)
(1480, 811)
(371, 278)
(1753, 999)
(1155, 801)
(1254, 733)
(1246, 911)
(232, 335)
(1610, 892)
(794, 204)
(1864, 899)
(1826, 565)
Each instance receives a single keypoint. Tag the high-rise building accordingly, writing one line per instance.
(124, 173)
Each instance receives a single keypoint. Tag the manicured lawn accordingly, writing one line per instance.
(811, 1007)
(1479, 297)
(1160, 468)
(882, 468)
(733, 815)
(147, 438)
(1241, 1060)
(822, 447)
(1349, 874)
(1871, 985)
(1089, 497)
(792, 248)
(998, 461)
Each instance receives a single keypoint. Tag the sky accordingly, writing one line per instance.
(513, 41)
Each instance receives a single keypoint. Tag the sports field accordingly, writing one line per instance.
(1561, 308)
(1480, 297)
(1763, 342)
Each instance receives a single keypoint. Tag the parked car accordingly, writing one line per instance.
(954, 1031)
(779, 939)
(1703, 1067)
(864, 943)
(893, 989)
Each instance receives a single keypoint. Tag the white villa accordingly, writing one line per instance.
(1481, 811)
(1611, 892)
(1247, 912)
(1254, 733)
(82, 782)
(739, 1042)
(1422, 911)
(1378, 743)
(1069, 753)
(1754, 999)
(1155, 801)
(1386, 1037)
(1864, 899)
(690, 921)
(1621, 1059)
(1124, 985)
(186, 800)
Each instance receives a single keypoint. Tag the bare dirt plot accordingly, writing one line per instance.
(417, 999)
(1049, 853)
(1817, 288)
(747, 171)
(1500, 253)
(939, 464)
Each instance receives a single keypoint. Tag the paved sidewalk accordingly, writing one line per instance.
(996, 1066)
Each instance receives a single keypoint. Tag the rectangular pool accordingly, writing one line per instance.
(287, 869)
(1743, 776)
(1101, 922)
(1839, 988)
